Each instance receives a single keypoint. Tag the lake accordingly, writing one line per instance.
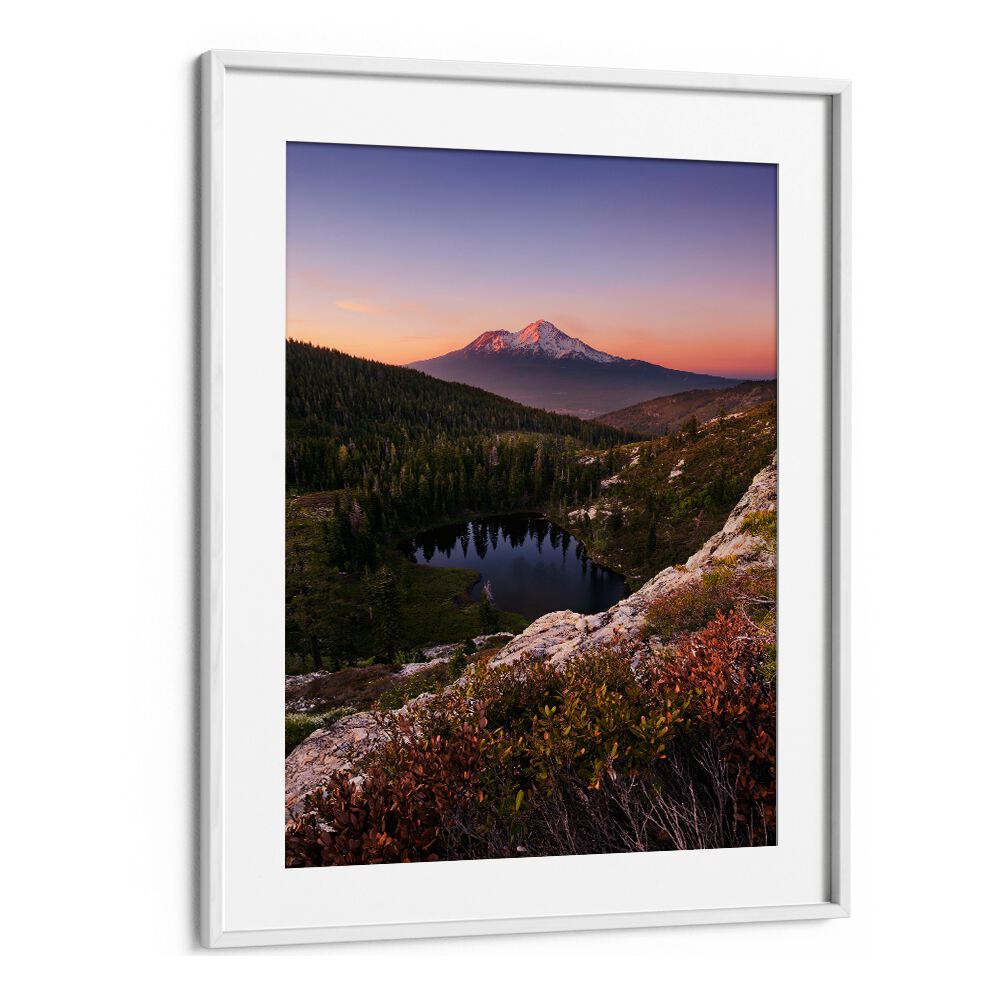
(532, 565)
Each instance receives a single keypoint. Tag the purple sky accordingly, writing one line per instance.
(402, 254)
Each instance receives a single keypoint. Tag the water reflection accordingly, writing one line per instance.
(532, 565)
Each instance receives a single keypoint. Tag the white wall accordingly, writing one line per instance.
(98, 405)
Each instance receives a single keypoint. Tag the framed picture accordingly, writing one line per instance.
(525, 428)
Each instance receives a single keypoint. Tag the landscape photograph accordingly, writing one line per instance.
(531, 521)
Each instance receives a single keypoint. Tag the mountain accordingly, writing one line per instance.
(543, 367)
(538, 339)
(667, 413)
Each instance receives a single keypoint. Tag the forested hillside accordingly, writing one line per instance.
(350, 420)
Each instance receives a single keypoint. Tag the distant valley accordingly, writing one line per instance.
(544, 367)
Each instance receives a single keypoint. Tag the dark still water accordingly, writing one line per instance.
(533, 567)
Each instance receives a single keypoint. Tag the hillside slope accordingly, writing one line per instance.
(673, 493)
(664, 414)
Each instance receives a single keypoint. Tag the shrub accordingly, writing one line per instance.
(299, 725)
(717, 590)
(458, 662)
(588, 716)
(733, 708)
(612, 751)
(763, 523)
(694, 605)
(401, 810)
(430, 679)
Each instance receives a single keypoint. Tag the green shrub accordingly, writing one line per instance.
(336, 714)
(430, 679)
(299, 725)
(763, 523)
(459, 660)
(585, 718)
(717, 590)
(693, 606)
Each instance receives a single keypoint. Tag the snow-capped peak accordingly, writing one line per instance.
(538, 338)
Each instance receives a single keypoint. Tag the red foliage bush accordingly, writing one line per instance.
(608, 752)
(733, 706)
(399, 811)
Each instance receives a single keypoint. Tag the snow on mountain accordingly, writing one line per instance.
(538, 338)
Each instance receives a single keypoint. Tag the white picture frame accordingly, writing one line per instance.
(245, 899)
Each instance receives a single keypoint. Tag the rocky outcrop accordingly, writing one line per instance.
(556, 637)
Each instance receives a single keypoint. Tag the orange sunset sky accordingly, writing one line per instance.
(404, 254)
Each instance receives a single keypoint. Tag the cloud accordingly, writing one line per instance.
(359, 306)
